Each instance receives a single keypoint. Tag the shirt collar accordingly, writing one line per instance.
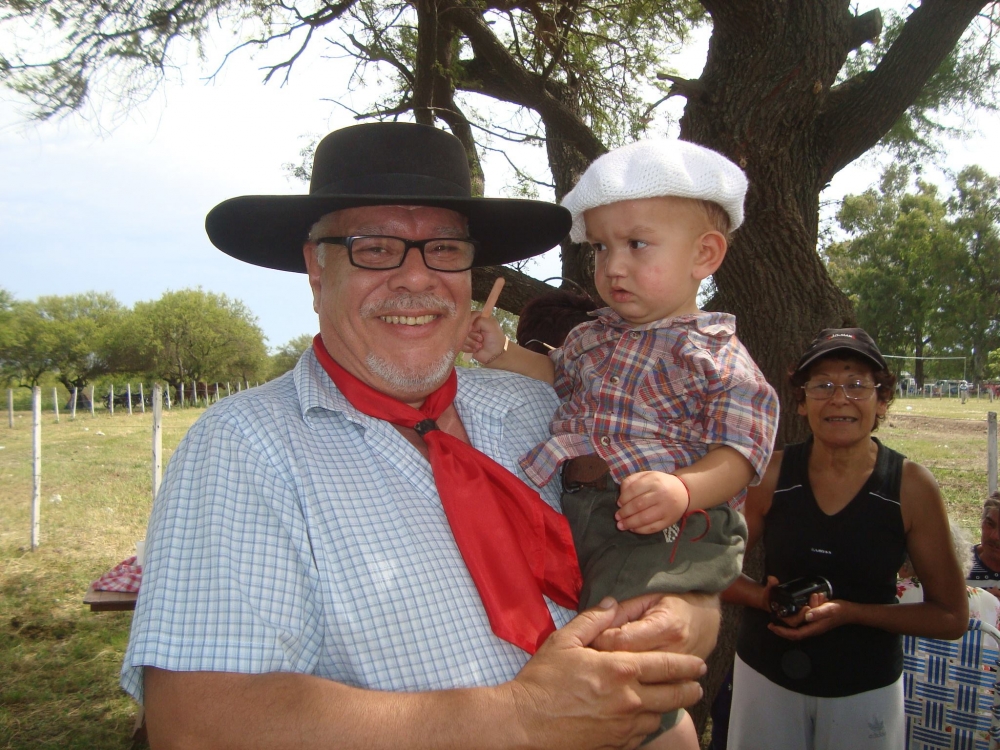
(317, 392)
(706, 322)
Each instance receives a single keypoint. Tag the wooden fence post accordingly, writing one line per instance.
(36, 463)
(157, 438)
(180, 397)
(10, 408)
(142, 399)
(111, 399)
(128, 397)
(55, 403)
(168, 397)
(229, 391)
(91, 400)
(991, 451)
(72, 414)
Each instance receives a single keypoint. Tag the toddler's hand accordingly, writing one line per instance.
(473, 339)
(485, 338)
(650, 501)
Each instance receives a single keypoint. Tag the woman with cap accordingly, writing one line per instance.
(843, 510)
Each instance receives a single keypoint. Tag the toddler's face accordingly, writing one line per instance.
(649, 256)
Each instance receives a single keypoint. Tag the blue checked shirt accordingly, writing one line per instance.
(294, 534)
(656, 396)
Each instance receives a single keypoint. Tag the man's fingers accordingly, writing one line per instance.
(664, 622)
(586, 626)
(491, 301)
(656, 668)
(663, 698)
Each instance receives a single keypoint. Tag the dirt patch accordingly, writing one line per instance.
(937, 425)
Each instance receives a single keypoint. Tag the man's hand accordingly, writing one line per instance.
(570, 696)
(650, 501)
(678, 623)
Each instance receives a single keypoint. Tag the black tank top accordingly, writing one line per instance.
(859, 550)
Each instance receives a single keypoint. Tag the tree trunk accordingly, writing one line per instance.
(766, 125)
(568, 164)
(759, 108)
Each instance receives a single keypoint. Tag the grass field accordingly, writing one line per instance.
(60, 661)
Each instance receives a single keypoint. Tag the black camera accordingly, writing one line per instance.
(788, 598)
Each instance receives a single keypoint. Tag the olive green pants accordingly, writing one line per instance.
(623, 564)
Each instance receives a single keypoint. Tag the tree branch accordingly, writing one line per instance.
(689, 89)
(529, 90)
(860, 112)
(865, 28)
(376, 54)
(518, 289)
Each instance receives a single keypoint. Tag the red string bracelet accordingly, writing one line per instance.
(683, 522)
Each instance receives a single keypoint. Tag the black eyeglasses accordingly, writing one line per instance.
(382, 253)
(857, 390)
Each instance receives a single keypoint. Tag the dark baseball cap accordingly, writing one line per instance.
(853, 340)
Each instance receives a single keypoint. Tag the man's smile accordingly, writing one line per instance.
(408, 320)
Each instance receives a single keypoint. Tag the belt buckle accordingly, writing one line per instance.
(568, 488)
(598, 482)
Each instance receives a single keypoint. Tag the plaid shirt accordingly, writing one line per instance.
(656, 396)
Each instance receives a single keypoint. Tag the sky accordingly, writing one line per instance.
(116, 202)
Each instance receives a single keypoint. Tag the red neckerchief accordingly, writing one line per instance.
(515, 546)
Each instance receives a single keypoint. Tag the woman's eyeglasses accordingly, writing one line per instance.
(856, 390)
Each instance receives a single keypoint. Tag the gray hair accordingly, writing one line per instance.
(991, 503)
(960, 544)
(963, 547)
(314, 234)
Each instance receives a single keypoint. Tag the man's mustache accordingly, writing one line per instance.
(424, 303)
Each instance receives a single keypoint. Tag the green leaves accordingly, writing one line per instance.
(922, 271)
(193, 335)
(185, 335)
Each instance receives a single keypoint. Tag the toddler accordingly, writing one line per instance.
(665, 417)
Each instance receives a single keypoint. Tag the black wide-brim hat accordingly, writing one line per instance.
(834, 340)
(384, 163)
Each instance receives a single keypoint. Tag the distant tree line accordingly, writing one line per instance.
(184, 336)
(923, 269)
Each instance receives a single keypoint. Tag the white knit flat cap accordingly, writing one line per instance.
(657, 168)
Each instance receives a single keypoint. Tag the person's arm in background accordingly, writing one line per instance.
(566, 696)
(744, 590)
(944, 612)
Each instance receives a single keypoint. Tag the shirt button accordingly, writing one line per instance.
(614, 380)
(635, 334)
(605, 440)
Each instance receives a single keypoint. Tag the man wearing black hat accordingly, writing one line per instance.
(347, 556)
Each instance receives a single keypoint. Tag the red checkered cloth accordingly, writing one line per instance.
(125, 576)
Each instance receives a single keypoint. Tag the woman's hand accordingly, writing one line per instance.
(818, 617)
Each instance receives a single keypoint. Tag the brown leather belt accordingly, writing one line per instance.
(586, 471)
